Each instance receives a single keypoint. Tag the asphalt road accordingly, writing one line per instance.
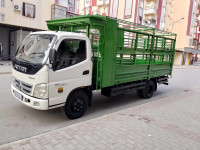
(18, 121)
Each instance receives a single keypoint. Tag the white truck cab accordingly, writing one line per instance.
(43, 85)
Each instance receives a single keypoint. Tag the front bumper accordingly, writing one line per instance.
(31, 101)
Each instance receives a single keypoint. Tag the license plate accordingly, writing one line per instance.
(18, 95)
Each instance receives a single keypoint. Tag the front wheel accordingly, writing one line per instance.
(76, 105)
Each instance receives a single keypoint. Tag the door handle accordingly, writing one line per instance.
(86, 72)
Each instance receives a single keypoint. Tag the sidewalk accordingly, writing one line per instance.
(187, 67)
(169, 124)
(5, 67)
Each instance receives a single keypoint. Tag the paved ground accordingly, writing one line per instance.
(171, 123)
(5, 67)
(18, 121)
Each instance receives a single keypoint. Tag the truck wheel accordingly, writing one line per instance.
(149, 89)
(139, 93)
(76, 105)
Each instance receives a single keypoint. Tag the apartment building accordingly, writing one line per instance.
(19, 17)
(64, 9)
(185, 22)
(95, 7)
(178, 16)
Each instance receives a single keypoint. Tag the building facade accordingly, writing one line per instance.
(19, 17)
(95, 7)
(177, 16)
(185, 23)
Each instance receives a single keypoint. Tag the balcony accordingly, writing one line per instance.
(87, 3)
(59, 12)
(151, 4)
(170, 1)
(95, 11)
(151, 8)
(102, 2)
(150, 11)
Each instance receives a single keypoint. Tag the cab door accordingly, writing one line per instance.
(73, 69)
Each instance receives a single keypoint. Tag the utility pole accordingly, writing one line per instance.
(174, 22)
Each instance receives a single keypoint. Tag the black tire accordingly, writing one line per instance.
(76, 105)
(149, 89)
(139, 93)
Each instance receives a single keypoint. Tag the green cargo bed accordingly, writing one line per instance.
(122, 51)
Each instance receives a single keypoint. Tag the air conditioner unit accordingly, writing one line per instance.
(150, 21)
(153, 21)
(17, 8)
(147, 21)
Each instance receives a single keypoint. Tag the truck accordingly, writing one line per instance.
(63, 66)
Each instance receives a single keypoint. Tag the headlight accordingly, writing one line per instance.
(40, 90)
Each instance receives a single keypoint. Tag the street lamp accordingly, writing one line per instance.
(174, 22)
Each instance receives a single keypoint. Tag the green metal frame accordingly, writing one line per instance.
(122, 51)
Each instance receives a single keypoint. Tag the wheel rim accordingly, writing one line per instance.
(77, 105)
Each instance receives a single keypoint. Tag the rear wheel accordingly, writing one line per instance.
(149, 89)
(76, 105)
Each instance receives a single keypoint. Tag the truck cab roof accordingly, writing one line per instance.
(61, 34)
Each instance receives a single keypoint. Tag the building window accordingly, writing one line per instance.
(2, 3)
(58, 12)
(140, 11)
(162, 25)
(128, 9)
(71, 5)
(193, 16)
(2, 17)
(87, 3)
(115, 8)
(87, 10)
(70, 52)
(28, 10)
(162, 18)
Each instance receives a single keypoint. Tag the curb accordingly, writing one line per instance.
(5, 73)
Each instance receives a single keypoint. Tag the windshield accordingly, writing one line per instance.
(35, 48)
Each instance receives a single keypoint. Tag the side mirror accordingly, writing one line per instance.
(52, 58)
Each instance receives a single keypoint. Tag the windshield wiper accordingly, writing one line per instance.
(24, 60)
(41, 55)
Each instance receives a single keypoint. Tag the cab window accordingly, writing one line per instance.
(70, 52)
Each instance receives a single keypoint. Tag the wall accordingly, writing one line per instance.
(181, 9)
(121, 7)
(42, 13)
(178, 58)
(4, 38)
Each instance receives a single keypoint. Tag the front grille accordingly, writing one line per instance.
(23, 87)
